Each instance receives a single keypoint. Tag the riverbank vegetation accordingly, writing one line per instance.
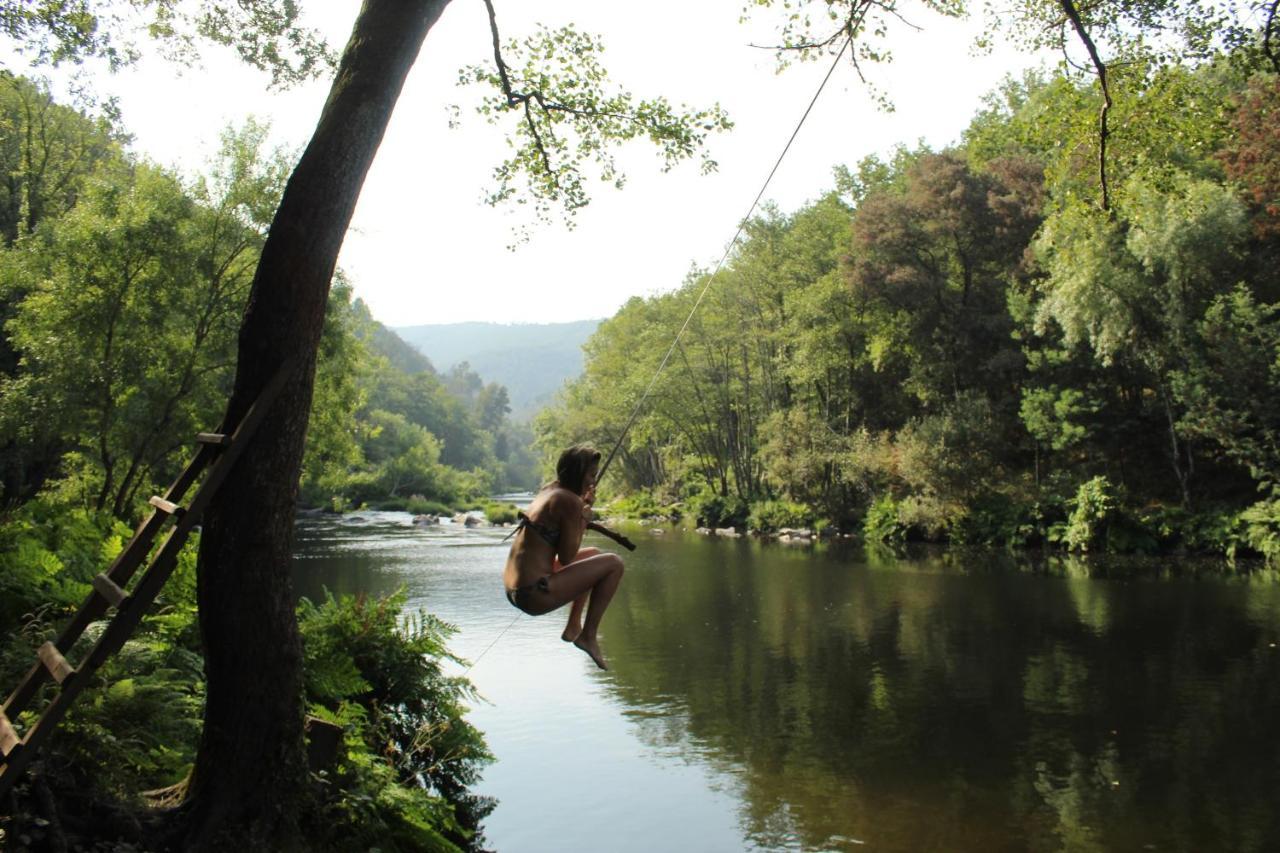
(399, 780)
(122, 286)
(975, 345)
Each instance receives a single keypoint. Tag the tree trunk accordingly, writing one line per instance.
(250, 777)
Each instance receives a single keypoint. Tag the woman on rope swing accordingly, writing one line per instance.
(547, 568)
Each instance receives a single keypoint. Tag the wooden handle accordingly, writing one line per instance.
(612, 534)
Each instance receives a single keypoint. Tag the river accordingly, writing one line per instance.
(826, 698)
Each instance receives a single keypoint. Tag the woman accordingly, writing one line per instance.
(546, 569)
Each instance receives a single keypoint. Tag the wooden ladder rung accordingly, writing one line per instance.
(17, 752)
(166, 506)
(109, 590)
(9, 739)
(55, 662)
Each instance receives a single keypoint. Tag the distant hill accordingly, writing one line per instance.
(533, 360)
(400, 353)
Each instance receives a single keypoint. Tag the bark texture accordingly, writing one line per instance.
(250, 776)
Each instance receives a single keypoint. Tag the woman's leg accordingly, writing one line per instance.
(573, 627)
(598, 575)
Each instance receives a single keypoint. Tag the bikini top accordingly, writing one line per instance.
(549, 534)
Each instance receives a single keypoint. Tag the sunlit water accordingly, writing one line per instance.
(771, 698)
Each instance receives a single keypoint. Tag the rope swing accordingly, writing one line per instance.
(742, 223)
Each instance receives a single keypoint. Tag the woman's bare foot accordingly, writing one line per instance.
(571, 633)
(592, 647)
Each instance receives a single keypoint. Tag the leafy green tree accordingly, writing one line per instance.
(47, 152)
(1055, 419)
(933, 262)
(406, 457)
(554, 94)
(492, 406)
(125, 336)
(1132, 287)
(1231, 388)
(264, 33)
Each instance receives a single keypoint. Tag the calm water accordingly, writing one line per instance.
(770, 698)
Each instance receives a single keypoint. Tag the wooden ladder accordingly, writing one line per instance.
(218, 453)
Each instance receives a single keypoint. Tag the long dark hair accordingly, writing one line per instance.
(571, 470)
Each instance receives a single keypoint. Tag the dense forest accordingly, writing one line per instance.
(1000, 342)
(122, 286)
(1054, 332)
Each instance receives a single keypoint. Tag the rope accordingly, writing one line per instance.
(466, 671)
(742, 223)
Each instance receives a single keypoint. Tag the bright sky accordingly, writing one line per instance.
(424, 248)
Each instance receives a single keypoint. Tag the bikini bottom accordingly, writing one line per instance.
(519, 597)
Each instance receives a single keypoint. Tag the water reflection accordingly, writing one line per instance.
(831, 699)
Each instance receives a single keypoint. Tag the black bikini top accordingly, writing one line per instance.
(549, 534)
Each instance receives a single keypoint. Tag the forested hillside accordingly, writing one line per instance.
(977, 345)
(122, 285)
(532, 360)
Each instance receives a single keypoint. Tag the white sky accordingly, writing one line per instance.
(425, 249)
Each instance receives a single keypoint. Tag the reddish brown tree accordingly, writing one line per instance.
(1253, 158)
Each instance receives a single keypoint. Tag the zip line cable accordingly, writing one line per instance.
(742, 223)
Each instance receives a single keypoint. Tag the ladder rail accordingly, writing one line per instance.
(128, 617)
(218, 457)
(121, 570)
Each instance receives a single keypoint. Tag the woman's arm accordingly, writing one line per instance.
(572, 515)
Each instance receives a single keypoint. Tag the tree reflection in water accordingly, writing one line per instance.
(960, 701)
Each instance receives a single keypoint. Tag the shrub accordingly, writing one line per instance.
(418, 505)
(1098, 521)
(881, 523)
(1262, 528)
(48, 555)
(137, 725)
(950, 455)
(770, 516)
(1092, 509)
(1215, 531)
(998, 519)
(500, 513)
(713, 510)
(928, 515)
(410, 755)
(640, 504)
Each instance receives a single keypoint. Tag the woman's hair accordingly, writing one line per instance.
(571, 470)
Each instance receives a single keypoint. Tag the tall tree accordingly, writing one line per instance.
(246, 782)
(246, 779)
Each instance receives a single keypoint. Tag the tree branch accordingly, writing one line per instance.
(1267, 29)
(1069, 7)
(515, 99)
(528, 99)
(512, 99)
